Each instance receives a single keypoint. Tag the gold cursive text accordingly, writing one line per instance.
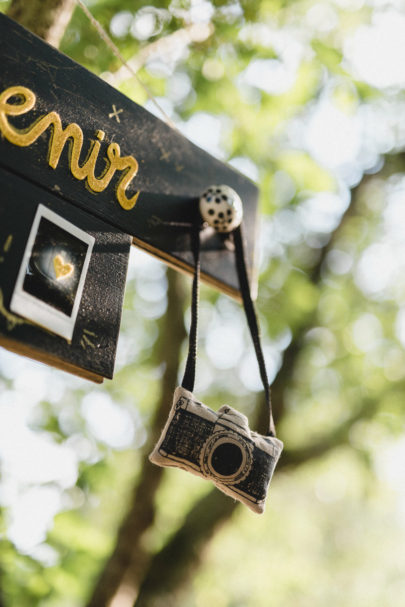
(59, 136)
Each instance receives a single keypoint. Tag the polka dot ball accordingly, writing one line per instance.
(221, 207)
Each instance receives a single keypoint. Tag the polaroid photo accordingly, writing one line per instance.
(52, 274)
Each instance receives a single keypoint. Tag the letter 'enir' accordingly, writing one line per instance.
(59, 136)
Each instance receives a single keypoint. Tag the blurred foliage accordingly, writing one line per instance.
(255, 86)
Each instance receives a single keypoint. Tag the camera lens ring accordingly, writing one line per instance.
(223, 444)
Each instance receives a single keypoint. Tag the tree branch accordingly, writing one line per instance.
(163, 47)
(171, 568)
(129, 558)
(47, 19)
(295, 347)
(339, 436)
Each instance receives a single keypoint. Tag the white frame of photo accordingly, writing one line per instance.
(34, 309)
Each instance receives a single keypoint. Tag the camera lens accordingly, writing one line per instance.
(226, 459)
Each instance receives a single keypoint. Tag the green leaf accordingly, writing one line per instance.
(306, 173)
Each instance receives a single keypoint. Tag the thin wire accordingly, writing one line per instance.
(107, 40)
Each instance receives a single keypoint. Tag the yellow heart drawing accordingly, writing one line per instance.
(62, 269)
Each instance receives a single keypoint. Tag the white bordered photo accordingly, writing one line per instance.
(52, 274)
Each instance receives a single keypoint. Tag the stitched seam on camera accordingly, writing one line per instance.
(189, 402)
(228, 427)
(180, 460)
(246, 496)
(199, 415)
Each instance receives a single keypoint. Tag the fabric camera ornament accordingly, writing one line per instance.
(220, 446)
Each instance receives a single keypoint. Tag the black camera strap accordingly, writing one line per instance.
(189, 374)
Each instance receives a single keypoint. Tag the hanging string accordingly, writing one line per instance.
(250, 312)
(189, 374)
(241, 268)
(115, 50)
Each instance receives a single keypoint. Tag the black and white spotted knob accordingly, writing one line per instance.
(221, 207)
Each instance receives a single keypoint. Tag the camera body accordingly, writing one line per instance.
(219, 447)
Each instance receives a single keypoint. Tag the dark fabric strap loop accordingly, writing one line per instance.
(189, 374)
(251, 317)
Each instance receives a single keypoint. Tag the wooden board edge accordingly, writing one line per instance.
(48, 359)
(179, 265)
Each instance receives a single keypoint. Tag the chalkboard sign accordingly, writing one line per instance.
(67, 130)
(84, 172)
(72, 267)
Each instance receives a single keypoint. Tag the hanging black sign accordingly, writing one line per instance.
(84, 172)
(62, 279)
(67, 130)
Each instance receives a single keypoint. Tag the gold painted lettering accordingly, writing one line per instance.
(72, 134)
